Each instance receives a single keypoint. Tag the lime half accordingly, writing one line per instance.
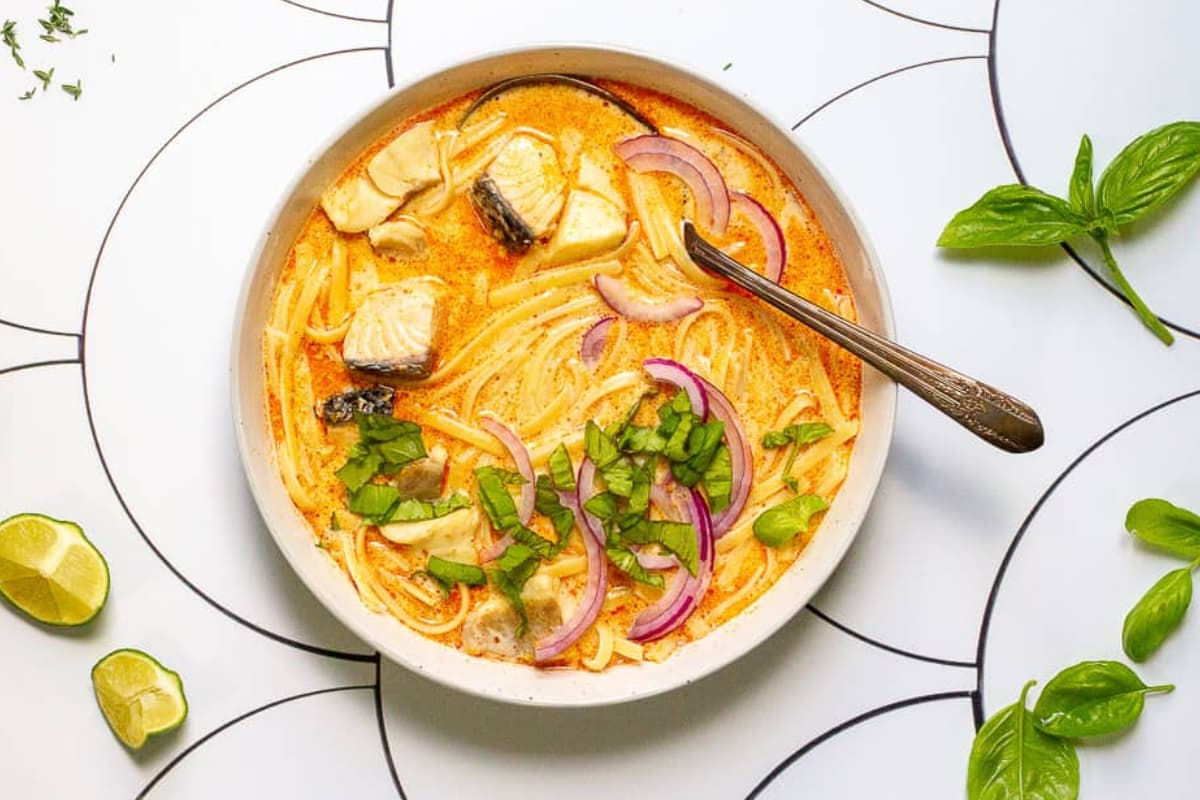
(138, 696)
(49, 570)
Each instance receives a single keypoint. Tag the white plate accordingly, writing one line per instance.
(512, 682)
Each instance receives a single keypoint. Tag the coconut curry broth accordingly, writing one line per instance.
(510, 349)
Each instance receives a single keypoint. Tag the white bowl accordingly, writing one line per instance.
(512, 682)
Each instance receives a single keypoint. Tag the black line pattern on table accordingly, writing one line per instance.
(1010, 151)
(334, 14)
(821, 615)
(922, 21)
(869, 81)
(383, 737)
(981, 652)
(39, 364)
(363, 657)
(847, 725)
(34, 329)
(162, 773)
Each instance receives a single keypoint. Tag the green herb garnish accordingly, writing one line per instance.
(776, 526)
(562, 471)
(1094, 698)
(626, 561)
(8, 34)
(599, 446)
(1148, 172)
(45, 77)
(59, 22)
(1012, 758)
(515, 567)
(447, 573)
(678, 538)
(494, 497)
(718, 480)
(547, 504)
(385, 445)
(1157, 614)
(29, 94)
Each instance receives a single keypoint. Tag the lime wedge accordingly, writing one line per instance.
(49, 570)
(138, 696)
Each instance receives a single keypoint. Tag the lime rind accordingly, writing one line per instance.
(77, 532)
(124, 709)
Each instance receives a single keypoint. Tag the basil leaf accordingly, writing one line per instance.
(547, 504)
(617, 427)
(519, 562)
(1013, 216)
(776, 526)
(1157, 614)
(801, 433)
(625, 560)
(505, 476)
(1082, 195)
(676, 447)
(639, 439)
(562, 472)
(598, 446)
(511, 590)
(544, 548)
(410, 509)
(1149, 171)
(1165, 526)
(679, 538)
(603, 506)
(1011, 758)
(451, 572)
(1093, 698)
(362, 464)
(384, 428)
(495, 499)
(639, 496)
(790, 482)
(702, 445)
(373, 501)
(718, 481)
(619, 477)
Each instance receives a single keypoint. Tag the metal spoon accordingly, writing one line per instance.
(987, 412)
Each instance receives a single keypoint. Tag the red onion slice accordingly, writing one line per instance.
(597, 582)
(741, 460)
(652, 153)
(686, 591)
(668, 371)
(496, 548)
(768, 229)
(524, 465)
(618, 298)
(592, 346)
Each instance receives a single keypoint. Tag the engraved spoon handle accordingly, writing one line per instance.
(985, 411)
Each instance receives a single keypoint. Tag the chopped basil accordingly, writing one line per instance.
(639, 439)
(602, 506)
(625, 560)
(776, 526)
(516, 566)
(410, 509)
(702, 444)
(544, 548)
(677, 537)
(619, 477)
(598, 446)
(385, 445)
(547, 504)
(802, 433)
(718, 480)
(617, 428)
(362, 464)
(495, 499)
(448, 573)
(676, 447)
(639, 496)
(8, 35)
(373, 501)
(562, 472)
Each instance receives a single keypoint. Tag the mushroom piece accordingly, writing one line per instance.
(340, 409)
(521, 194)
(394, 330)
(491, 627)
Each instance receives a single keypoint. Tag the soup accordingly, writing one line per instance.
(515, 413)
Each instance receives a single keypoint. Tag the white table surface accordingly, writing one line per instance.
(126, 222)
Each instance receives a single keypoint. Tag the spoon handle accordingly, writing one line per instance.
(985, 411)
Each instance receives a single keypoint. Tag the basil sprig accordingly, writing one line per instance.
(1013, 758)
(1093, 698)
(1145, 175)
(798, 435)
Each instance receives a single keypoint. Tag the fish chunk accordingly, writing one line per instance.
(451, 537)
(590, 225)
(395, 330)
(423, 480)
(492, 626)
(399, 238)
(341, 408)
(408, 164)
(522, 192)
(357, 204)
(595, 178)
